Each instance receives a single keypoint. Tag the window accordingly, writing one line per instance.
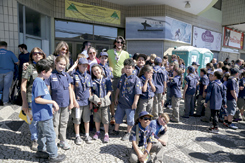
(104, 33)
(33, 22)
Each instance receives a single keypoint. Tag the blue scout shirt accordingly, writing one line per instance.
(107, 71)
(149, 93)
(216, 94)
(59, 87)
(145, 135)
(129, 86)
(203, 81)
(156, 128)
(242, 84)
(41, 112)
(82, 84)
(190, 79)
(101, 87)
(158, 78)
(175, 85)
(7, 61)
(137, 70)
(232, 84)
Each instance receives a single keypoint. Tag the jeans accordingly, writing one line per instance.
(46, 138)
(5, 83)
(33, 127)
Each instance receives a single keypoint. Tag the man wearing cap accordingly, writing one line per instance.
(141, 138)
(116, 58)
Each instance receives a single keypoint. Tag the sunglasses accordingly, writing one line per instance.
(37, 53)
(145, 118)
(92, 53)
(119, 42)
(64, 49)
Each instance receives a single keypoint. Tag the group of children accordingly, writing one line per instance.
(139, 95)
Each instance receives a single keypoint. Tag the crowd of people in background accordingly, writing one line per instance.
(110, 86)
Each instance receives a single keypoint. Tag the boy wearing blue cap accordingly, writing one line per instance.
(81, 85)
(232, 96)
(216, 94)
(129, 90)
(159, 79)
(189, 91)
(141, 138)
(103, 63)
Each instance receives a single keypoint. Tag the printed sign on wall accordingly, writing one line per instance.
(158, 28)
(92, 13)
(203, 38)
(233, 38)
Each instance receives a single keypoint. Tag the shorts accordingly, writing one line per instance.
(115, 82)
(231, 107)
(120, 113)
(101, 115)
(85, 113)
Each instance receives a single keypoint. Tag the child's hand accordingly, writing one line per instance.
(55, 106)
(25, 65)
(116, 101)
(183, 96)
(70, 106)
(76, 105)
(225, 106)
(90, 106)
(25, 108)
(205, 104)
(134, 106)
(241, 88)
(111, 68)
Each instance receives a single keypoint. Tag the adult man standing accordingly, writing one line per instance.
(116, 57)
(7, 61)
(23, 58)
(226, 61)
(86, 45)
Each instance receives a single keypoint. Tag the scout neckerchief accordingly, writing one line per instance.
(58, 75)
(99, 81)
(137, 67)
(83, 80)
(144, 132)
(156, 68)
(117, 56)
(124, 91)
(104, 68)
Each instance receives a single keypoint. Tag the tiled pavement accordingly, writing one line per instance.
(189, 142)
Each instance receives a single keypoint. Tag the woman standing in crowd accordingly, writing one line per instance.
(92, 59)
(28, 77)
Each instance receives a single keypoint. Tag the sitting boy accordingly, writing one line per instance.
(43, 114)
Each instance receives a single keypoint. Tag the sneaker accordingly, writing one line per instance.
(59, 158)
(225, 124)
(214, 130)
(112, 122)
(232, 126)
(78, 140)
(96, 136)
(34, 145)
(114, 132)
(6, 104)
(88, 139)
(125, 137)
(64, 145)
(41, 154)
(106, 139)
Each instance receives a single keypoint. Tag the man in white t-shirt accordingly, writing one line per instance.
(86, 45)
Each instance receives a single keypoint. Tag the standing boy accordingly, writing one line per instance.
(140, 63)
(43, 113)
(103, 63)
(216, 94)
(129, 90)
(159, 78)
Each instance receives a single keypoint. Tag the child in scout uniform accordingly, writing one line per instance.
(159, 128)
(175, 93)
(146, 98)
(81, 84)
(129, 90)
(159, 78)
(216, 94)
(103, 63)
(28, 76)
(241, 96)
(232, 96)
(43, 108)
(141, 138)
(59, 84)
(203, 84)
(170, 76)
(101, 93)
(140, 63)
(189, 92)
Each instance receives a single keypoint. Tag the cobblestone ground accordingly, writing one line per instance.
(189, 141)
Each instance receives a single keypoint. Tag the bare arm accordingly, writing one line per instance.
(144, 88)
(204, 88)
(23, 95)
(71, 97)
(152, 86)
(136, 99)
(185, 88)
(233, 93)
(116, 96)
(137, 151)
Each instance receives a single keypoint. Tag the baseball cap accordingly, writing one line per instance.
(82, 61)
(104, 54)
(234, 70)
(191, 69)
(195, 63)
(144, 113)
(158, 60)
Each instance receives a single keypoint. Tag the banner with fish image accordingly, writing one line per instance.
(92, 13)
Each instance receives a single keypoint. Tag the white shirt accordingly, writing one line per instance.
(85, 53)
